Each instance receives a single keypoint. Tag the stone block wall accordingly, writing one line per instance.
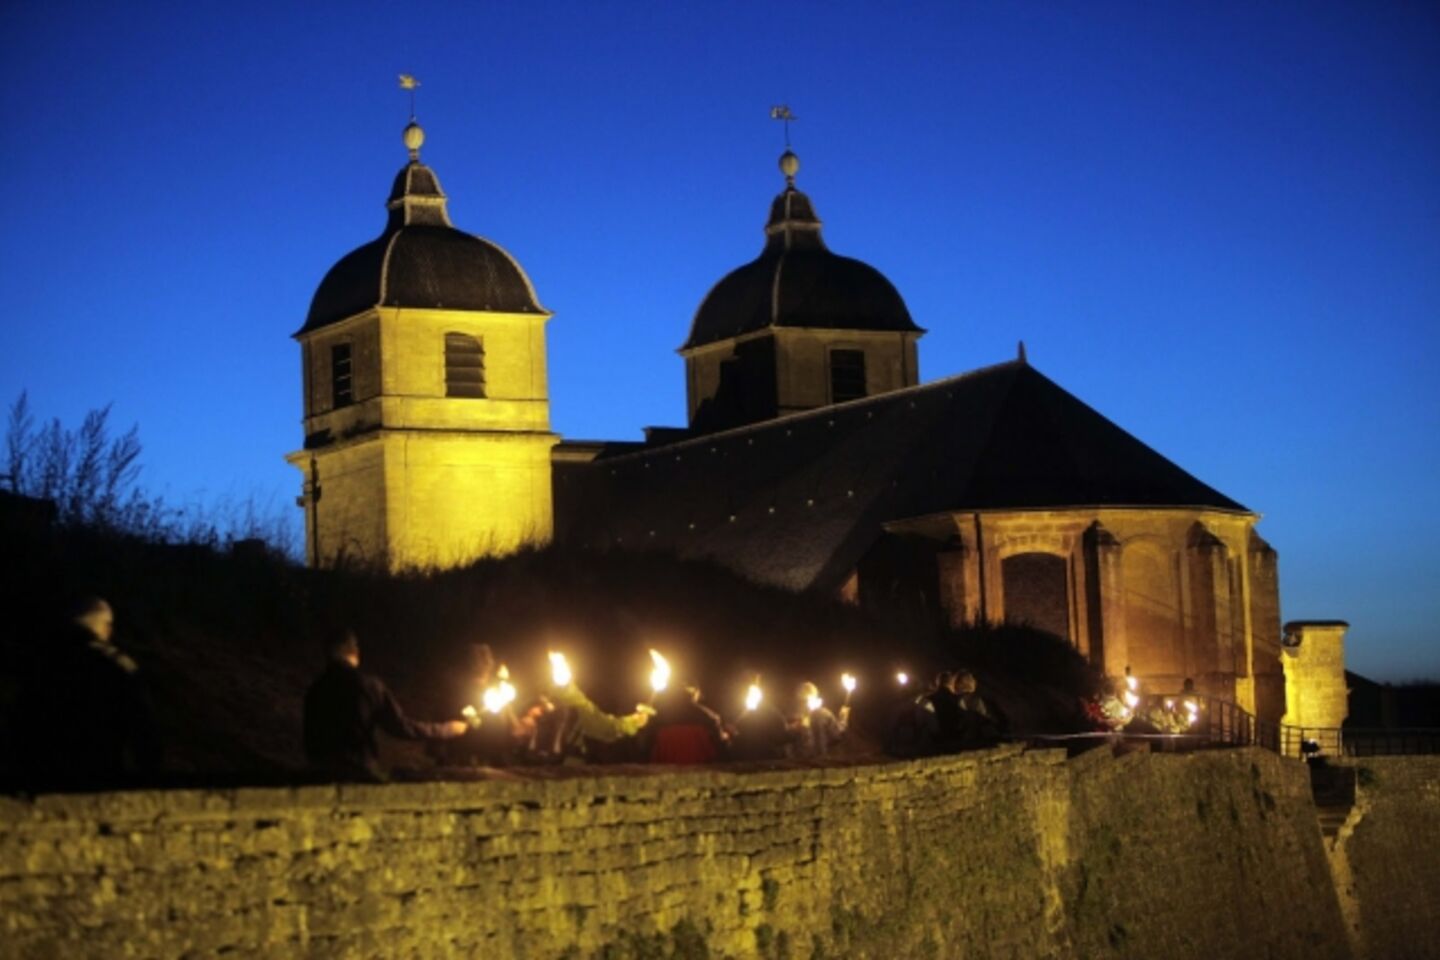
(996, 854)
(1386, 858)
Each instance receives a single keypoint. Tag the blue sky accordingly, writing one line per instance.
(1219, 224)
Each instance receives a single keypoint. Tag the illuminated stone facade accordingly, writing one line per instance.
(1317, 697)
(813, 457)
(1171, 594)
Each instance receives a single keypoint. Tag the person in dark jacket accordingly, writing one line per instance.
(981, 723)
(944, 701)
(86, 719)
(683, 730)
(343, 710)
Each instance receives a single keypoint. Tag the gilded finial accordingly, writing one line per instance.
(789, 163)
(414, 137)
(414, 134)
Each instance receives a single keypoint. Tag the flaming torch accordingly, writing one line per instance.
(752, 697)
(471, 715)
(560, 673)
(499, 695)
(1131, 697)
(848, 682)
(813, 702)
(659, 674)
(902, 678)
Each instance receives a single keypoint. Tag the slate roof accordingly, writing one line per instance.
(421, 260)
(797, 282)
(798, 501)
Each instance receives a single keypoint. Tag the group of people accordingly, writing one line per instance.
(948, 716)
(85, 718)
(345, 710)
(1120, 708)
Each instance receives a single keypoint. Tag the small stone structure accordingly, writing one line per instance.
(1317, 698)
(994, 854)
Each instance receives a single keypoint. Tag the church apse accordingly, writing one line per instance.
(1137, 589)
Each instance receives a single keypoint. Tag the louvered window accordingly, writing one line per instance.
(342, 382)
(847, 375)
(464, 366)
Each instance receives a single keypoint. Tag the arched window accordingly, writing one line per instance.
(1036, 592)
(464, 366)
(847, 375)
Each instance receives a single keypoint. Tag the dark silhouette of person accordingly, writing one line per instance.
(911, 729)
(944, 700)
(86, 718)
(814, 729)
(980, 723)
(761, 732)
(683, 731)
(343, 710)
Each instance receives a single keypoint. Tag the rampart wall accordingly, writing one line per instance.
(1386, 858)
(996, 854)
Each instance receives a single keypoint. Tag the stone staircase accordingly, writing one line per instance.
(1334, 792)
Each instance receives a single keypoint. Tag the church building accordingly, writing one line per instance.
(813, 458)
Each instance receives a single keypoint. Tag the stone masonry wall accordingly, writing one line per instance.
(1386, 858)
(996, 854)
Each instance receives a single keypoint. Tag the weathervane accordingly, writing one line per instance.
(782, 113)
(408, 82)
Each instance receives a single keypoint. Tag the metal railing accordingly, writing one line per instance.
(1359, 742)
(1159, 721)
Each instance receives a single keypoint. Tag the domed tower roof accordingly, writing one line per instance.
(797, 282)
(421, 260)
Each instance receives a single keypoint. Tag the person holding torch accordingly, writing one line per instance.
(760, 731)
(585, 721)
(344, 709)
(814, 729)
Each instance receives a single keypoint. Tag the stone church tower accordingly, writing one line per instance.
(427, 416)
(797, 328)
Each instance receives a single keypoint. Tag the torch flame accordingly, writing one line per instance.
(660, 676)
(903, 678)
(470, 714)
(560, 670)
(814, 703)
(752, 697)
(501, 694)
(848, 682)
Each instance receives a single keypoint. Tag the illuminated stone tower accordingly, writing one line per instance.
(427, 418)
(798, 327)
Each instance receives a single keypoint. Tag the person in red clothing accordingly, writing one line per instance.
(684, 731)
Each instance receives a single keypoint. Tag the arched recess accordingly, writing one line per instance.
(1036, 589)
(1154, 626)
